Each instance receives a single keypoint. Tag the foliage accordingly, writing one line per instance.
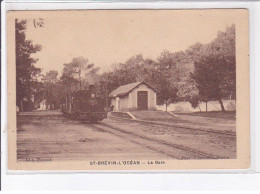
(74, 74)
(51, 76)
(203, 72)
(215, 69)
(51, 90)
(26, 73)
(139, 69)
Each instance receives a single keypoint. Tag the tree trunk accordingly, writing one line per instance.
(79, 82)
(21, 106)
(206, 106)
(222, 105)
(166, 105)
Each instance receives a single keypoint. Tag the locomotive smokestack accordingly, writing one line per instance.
(91, 87)
(91, 83)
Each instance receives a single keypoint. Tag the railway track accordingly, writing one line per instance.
(156, 144)
(179, 127)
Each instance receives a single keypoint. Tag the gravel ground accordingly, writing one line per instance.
(219, 145)
(217, 121)
(57, 138)
(51, 136)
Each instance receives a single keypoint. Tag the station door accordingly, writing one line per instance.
(142, 100)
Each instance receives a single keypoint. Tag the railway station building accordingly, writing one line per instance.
(134, 96)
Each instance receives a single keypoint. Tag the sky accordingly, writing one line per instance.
(106, 37)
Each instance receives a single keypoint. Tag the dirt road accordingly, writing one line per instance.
(48, 135)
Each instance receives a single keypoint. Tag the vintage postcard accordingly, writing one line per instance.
(128, 89)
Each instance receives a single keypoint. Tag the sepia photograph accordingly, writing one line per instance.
(128, 89)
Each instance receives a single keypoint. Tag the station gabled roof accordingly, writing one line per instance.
(125, 89)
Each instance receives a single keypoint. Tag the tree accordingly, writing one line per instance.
(172, 60)
(26, 72)
(208, 77)
(51, 76)
(161, 74)
(225, 46)
(78, 73)
(215, 69)
(124, 73)
(167, 92)
(51, 88)
(187, 90)
(168, 76)
(75, 68)
(203, 72)
(194, 52)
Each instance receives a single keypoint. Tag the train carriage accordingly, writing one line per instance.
(84, 105)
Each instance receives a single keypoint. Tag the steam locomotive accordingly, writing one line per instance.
(84, 105)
